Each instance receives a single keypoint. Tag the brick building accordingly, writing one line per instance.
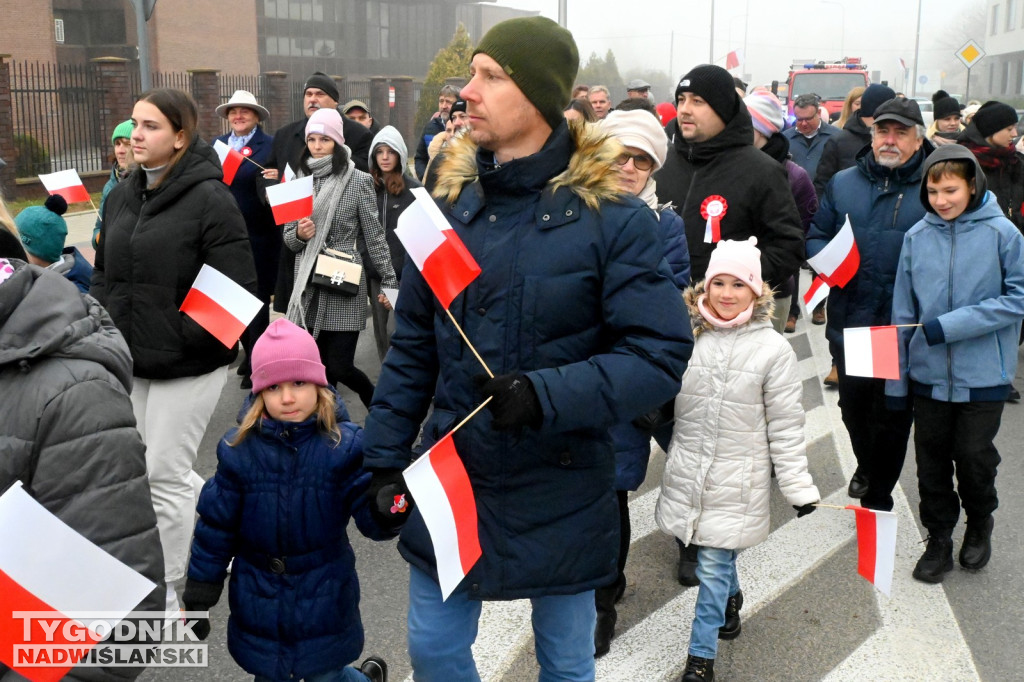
(350, 38)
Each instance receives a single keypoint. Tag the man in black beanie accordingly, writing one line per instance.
(320, 92)
(575, 312)
(717, 179)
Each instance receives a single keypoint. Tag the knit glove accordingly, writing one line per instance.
(804, 510)
(515, 402)
(200, 596)
(389, 499)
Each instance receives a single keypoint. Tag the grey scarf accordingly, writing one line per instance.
(325, 201)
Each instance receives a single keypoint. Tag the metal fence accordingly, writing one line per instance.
(56, 107)
(54, 110)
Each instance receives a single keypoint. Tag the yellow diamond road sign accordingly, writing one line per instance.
(970, 54)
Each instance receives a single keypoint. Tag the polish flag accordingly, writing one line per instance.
(872, 352)
(816, 293)
(837, 263)
(220, 305)
(876, 546)
(440, 485)
(289, 174)
(438, 252)
(230, 160)
(732, 60)
(291, 200)
(67, 184)
(48, 573)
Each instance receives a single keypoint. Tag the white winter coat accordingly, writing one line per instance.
(738, 411)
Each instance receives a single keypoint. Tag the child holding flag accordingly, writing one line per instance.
(288, 480)
(960, 284)
(738, 412)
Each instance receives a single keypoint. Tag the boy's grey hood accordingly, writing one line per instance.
(952, 152)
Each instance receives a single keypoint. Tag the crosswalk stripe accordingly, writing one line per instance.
(919, 638)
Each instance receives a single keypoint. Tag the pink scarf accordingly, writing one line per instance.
(715, 321)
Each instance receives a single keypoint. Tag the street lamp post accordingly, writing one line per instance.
(143, 11)
(563, 12)
(917, 52)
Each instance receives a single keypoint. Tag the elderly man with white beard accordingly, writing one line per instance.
(880, 197)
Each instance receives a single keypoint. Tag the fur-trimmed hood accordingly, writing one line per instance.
(764, 306)
(591, 173)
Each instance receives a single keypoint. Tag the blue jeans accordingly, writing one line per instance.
(716, 569)
(441, 634)
(346, 674)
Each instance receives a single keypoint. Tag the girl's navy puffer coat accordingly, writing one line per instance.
(279, 504)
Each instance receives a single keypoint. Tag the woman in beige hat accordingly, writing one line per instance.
(245, 115)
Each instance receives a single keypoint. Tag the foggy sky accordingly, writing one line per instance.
(879, 31)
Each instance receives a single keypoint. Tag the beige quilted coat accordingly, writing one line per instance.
(738, 411)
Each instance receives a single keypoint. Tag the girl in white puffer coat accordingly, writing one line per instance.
(738, 412)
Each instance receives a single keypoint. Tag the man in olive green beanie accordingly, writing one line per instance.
(538, 205)
(540, 57)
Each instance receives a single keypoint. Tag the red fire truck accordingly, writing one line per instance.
(829, 80)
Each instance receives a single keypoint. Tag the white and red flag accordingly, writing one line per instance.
(67, 184)
(872, 352)
(230, 160)
(837, 263)
(816, 293)
(440, 485)
(289, 174)
(291, 200)
(732, 60)
(220, 305)
(446, 263)
(56, 588)
(876, 546)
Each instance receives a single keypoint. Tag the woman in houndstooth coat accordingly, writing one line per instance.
(344, 206)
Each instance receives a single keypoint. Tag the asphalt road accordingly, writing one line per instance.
(807, 615)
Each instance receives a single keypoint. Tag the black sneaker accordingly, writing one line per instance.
(687, 571)
(732, 627)
(375, 668)
(699, 669)
(936, 561)
(977, 547)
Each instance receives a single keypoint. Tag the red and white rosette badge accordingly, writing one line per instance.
(713, 210)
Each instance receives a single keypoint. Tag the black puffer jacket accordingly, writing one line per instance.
(1004, 170)
(67, 430)
(153, 244)
(754, 186)
(841, 151)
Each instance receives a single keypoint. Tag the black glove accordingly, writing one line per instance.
(515, 403)
(390, 501)
(805, 509)
(649, 423)
(200, 596)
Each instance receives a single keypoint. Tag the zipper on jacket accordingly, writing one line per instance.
(949, 308)
(131, 269)
(896, 211)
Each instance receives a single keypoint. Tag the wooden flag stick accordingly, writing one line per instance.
(463, 334)
(471, 415)
(253, 162)
(908, 325)
(829, 506)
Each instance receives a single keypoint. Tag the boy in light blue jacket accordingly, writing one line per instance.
(961, 281)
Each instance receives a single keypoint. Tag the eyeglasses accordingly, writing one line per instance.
(641, 162)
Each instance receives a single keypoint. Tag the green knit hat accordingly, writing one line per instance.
(122, 130)
(540, 57)
(42, 228)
